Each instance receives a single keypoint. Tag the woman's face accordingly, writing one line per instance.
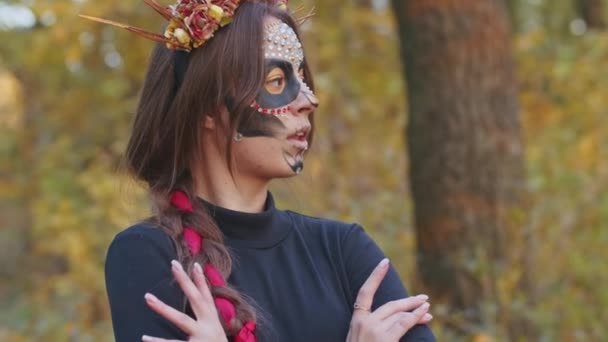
(271, 143)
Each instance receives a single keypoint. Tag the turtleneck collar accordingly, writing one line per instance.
(254, 230)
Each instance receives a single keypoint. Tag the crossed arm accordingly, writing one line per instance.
(387, 323)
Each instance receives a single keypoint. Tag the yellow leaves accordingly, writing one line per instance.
(563, 87)
(10, 336)
(314, 167)
(482, 338)
(108, 191)
(552, 100)
(54, 219)
(588, 152)
(11, 105)
(73, 55)
(11, 125)
(75, 230)
(530, 41)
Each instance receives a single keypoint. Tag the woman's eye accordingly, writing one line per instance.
(275, 81)
(275, 85)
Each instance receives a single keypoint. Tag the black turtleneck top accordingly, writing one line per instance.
(302, 274)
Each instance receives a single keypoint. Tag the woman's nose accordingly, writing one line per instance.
(306, 101)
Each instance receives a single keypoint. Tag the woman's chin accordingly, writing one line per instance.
(295, 160)
(286, 172)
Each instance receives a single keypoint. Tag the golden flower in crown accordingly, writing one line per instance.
(191, 22)
(200, 18)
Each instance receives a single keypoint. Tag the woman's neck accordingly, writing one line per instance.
(227, 194)
(235, 191)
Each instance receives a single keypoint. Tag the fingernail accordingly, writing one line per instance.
(176, 265)
(425, 306)
(383, 263)
(146, 338)
(198, 268)
(423, 297)
(428, 316)
(150, 297)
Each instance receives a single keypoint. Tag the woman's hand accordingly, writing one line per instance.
(207, 325)
(390, 321)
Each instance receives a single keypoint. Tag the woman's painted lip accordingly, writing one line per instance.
(299, 143)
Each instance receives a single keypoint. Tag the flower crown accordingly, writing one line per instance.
(191, 22)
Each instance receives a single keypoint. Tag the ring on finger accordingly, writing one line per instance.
(358, 306)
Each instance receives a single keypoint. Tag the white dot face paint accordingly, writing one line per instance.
(280, 41)
(284, 63)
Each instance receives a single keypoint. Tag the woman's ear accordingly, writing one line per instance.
(209, 122)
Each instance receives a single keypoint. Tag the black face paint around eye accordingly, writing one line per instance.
(258, 124)
(292, 86)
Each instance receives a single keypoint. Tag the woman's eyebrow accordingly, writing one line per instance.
(273, 62)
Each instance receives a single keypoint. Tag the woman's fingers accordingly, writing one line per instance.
(390, 321)
(398, 324)
(365, 297)
(199, 303)
(405, 304)
(180, 319)
(147, 338)
(426, 318)
(206, 325)
(402, 315)
(201, 282)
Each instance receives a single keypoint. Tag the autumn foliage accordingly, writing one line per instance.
(69, 89)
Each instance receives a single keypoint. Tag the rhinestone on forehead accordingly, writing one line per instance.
(282, 42)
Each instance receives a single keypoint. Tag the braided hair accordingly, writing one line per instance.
(237, 316)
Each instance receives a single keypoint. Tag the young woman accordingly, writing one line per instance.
(226, 107)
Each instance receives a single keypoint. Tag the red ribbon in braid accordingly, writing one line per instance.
(214, 276)
(226, 309)
(180, 200)
(194, 241)
(247, 333)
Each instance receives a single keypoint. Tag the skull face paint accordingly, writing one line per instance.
(271, 114)
(283, 67)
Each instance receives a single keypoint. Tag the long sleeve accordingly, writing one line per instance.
(138, 261)
(362, 255)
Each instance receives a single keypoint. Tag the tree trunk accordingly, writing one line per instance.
(592, 12)
(465, 149)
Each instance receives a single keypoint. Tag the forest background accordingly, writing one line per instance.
(68, 92)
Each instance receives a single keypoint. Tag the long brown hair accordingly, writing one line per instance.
(166, 132)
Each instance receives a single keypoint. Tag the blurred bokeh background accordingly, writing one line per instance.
(494, 201)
